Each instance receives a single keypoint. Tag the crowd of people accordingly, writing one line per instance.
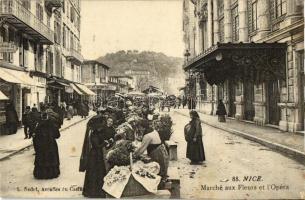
(43, 125)
(138, 124)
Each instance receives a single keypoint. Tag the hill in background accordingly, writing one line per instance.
(158, 64)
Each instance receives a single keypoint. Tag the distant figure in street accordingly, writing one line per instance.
(221, 111)
(11, 119)
(83, 109)
(191, 103)
(59, 112)
(70, 112)
(46, 155)
(195, 150)
(26, 122)
(184, 101)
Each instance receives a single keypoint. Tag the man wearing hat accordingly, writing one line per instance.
(26, 121)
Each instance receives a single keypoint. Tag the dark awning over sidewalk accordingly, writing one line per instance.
(256, 62)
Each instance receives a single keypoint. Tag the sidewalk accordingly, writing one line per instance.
(290, 144)
(12, 144)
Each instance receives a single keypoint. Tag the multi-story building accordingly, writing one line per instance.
(95, 75)
(141, 79)
(25, 34)
(39, 52)
(122, 83)
(250, 53)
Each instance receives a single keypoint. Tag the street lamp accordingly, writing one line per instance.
(187, 54)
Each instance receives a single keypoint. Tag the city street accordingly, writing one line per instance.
(229, 159)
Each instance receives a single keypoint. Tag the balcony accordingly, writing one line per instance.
(75, 56)
(14, 13)
(53, 4)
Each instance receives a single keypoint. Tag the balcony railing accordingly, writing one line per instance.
(76, 56)
(19, 16)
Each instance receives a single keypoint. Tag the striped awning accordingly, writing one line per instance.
(15, 76)
(85, 90)
(76, 89)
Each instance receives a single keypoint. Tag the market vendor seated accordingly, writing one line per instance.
(155, 148)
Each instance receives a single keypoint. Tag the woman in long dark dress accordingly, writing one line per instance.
(11, 118)
(95, 165)
(195, 150)
(46, 155)
(221, 111)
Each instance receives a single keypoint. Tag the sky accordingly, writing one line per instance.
(111, 25)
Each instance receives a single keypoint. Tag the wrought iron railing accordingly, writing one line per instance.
(14, 7)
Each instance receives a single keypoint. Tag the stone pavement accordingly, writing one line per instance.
(12, 144)
(287, 143)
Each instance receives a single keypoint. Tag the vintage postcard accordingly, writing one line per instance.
(152, 99)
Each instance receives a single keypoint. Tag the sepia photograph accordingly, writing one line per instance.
(152, 99)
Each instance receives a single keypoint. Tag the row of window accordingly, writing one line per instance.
(71, 13)
(69, 40)
(278, 9)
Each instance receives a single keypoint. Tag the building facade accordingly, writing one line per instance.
(122, 83)
(95, 75)
(250, 53)
(39, 52)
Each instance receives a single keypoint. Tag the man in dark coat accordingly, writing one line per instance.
(59, 112)
(11, 119)
(26, 121)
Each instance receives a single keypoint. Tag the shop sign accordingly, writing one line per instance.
(7, 47)
(68, 89)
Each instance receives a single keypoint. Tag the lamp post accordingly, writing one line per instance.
(187, 54)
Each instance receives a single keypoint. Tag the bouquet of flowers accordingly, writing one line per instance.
(165, 127)
(119, 153)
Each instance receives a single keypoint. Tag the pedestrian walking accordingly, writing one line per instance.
(70, 112)
(26, 122)
(195, 149)
(221, 111)
(46, 164)
(11, 119)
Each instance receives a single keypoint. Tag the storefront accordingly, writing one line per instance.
(58, 90)
(17, 87)
(89, 95)
(248, 76)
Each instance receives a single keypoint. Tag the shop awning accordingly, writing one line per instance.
(76, 89)
(257, 62)
(85, 90)
(15, 76)
(3, 96)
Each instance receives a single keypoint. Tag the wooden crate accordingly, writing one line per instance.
(172, 149)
